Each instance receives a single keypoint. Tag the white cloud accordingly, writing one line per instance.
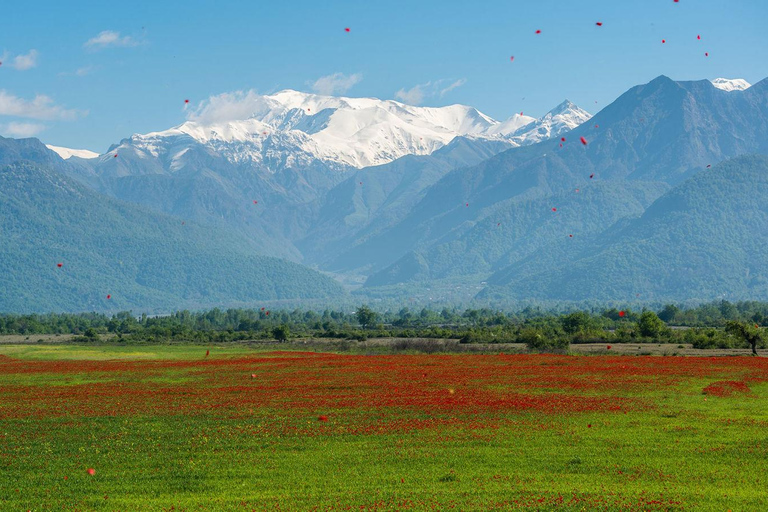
(414, 95)
(85, 70)
(21, 130)
(418, 93)
(24, 62)
(337, 83)
(110, 38)
(458, 83)
(227, 107)
(41, 107)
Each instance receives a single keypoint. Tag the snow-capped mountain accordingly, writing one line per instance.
(67, 153)
(290, 129)
(727, 84)
(562, 118)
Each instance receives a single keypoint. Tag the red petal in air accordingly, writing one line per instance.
(591, 176)
(562, 139)
(512, 58)
(698, 37)
(554, 209)
(663, 41)
(538, 31)
(109, 297)
(59, 265)
(599, 23)
(346, 29)
(584, 141)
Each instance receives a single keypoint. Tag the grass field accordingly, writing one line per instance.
(167, 428)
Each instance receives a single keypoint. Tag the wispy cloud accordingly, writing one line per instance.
(418, 93)
(337, 83)
(83, 71)
(225, 107)
(458, 83)
(109, 38)
(414, 95)
(41, 107)
(21, 130)
(24, 62)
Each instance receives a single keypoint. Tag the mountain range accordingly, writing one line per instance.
(399, 201)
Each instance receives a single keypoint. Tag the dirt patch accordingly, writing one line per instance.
(23, 339)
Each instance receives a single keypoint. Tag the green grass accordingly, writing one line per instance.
(674, 448)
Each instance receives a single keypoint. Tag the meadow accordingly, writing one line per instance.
(171, 428)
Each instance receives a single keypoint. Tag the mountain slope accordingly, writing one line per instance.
(144, 260)
(660, 132)
(704, 239)
(376, 198)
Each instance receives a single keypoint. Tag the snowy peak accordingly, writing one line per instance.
(294, 128)
(67, 153)
(727, 84)
(563, 118)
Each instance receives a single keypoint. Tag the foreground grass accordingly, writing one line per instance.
(168, 427)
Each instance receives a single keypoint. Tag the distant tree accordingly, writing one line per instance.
(366, 316)
(669, 313)
(91, 334)
(281, 333)
(575, 322)
(650, 325)
(748, 333)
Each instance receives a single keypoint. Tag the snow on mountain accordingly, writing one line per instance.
(727, 84)
(291, 128)
(563, 118)
(67, 153)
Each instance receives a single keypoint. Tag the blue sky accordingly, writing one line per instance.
(147, 57)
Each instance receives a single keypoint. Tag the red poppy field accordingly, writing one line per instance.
(240, 430)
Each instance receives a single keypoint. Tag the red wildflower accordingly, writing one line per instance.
(322, 418)
(622, 313)
(91, 471)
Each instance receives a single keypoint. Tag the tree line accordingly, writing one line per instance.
(715, 325)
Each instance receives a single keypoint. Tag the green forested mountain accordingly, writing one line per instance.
(705, 238)
(653, 137)
(142, 259)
